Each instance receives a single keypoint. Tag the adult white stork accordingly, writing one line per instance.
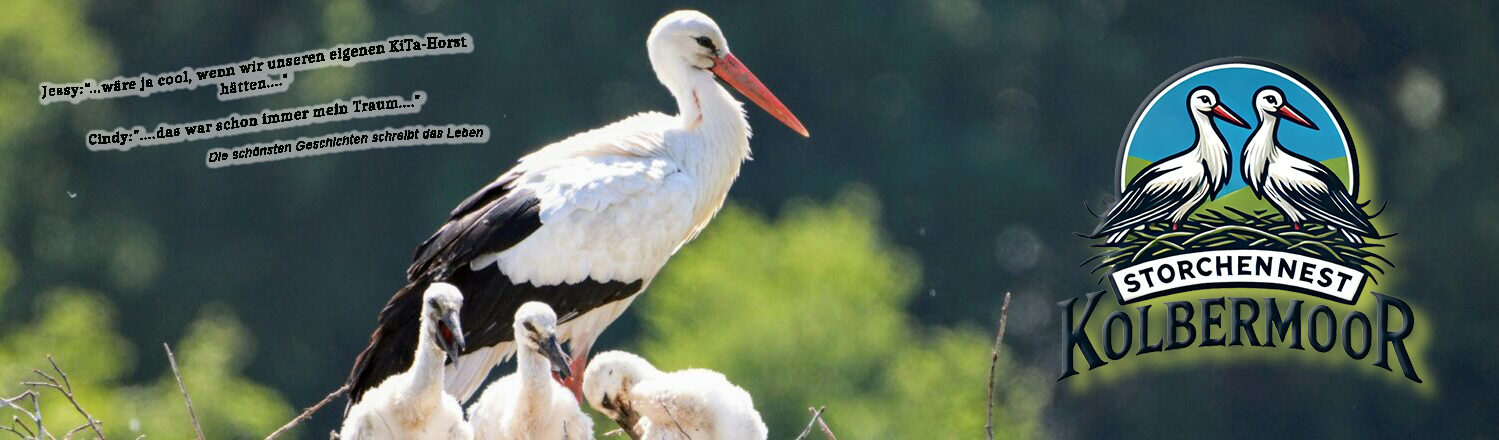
(1171, 188)
(528, 404)
(688, 404)
(412, 404)
(585, 223)
(1301, 188)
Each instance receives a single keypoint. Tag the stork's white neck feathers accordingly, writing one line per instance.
(1212, 149)
(426, 370)
(713, 140)
(1260, 150)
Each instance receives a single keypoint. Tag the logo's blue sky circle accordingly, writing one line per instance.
(1163, 127)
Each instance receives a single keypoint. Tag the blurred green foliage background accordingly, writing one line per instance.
(954, 142)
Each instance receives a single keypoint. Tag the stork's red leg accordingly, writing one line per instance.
(1173, 226)
(1296, 226)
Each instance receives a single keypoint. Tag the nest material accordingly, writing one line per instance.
(1214, 230)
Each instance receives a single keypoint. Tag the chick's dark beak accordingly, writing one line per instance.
(451, 336)
(553, 349)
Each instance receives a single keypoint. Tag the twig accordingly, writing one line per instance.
(307, 413)
(1004, 313)
(816, 415)
(15, 421)
(74, 431)
(64, 387)
(674, 421)
(628, 431)
(823, 423)
(172, 359)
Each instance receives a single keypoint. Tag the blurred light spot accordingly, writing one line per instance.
(965, 21)
(1030, 28)
(1018, 248)
(137, 256)
(890, 95)
(1016, 110)
(1029, 313)
(8, 273)
(1420, 97)
(931, 292)
(346, 21)
(1486, 217)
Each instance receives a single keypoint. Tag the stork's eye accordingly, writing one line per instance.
(706, 43)
(1270, 99)
(1204, 99)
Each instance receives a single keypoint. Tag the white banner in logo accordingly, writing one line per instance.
(1238, 268)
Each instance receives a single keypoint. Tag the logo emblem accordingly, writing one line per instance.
(1239, 189)
(1208, 198)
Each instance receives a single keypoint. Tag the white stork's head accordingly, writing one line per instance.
(1205, 100)
(441, 304)
(536, 332)
(608, 380)
(687, 47)
(1269, 100)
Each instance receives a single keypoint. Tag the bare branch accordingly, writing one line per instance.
(65, 387)
(1004, 312)
(74, 431)
(11, 402)
(36, 415)
(172, 359)
(823, 424)
(627, 431)
(816, 416)
(15, 421)
(674, 421)
(307, 413)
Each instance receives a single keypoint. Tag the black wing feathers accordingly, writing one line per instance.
(1140, 204)
(494, 219)
(491, 220)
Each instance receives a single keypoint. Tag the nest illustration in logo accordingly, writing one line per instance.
(1238, 173)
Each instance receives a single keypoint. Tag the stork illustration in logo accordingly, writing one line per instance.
(1288, 220)
(1299, 187)
(1225, 257)
(1172, 188)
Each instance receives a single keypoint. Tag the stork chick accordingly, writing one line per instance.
(528, 404)
(412, 404)
(689, 404)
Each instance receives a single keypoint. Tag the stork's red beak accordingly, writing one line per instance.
(1290, 113)
(731, 71)
(1228, 115)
